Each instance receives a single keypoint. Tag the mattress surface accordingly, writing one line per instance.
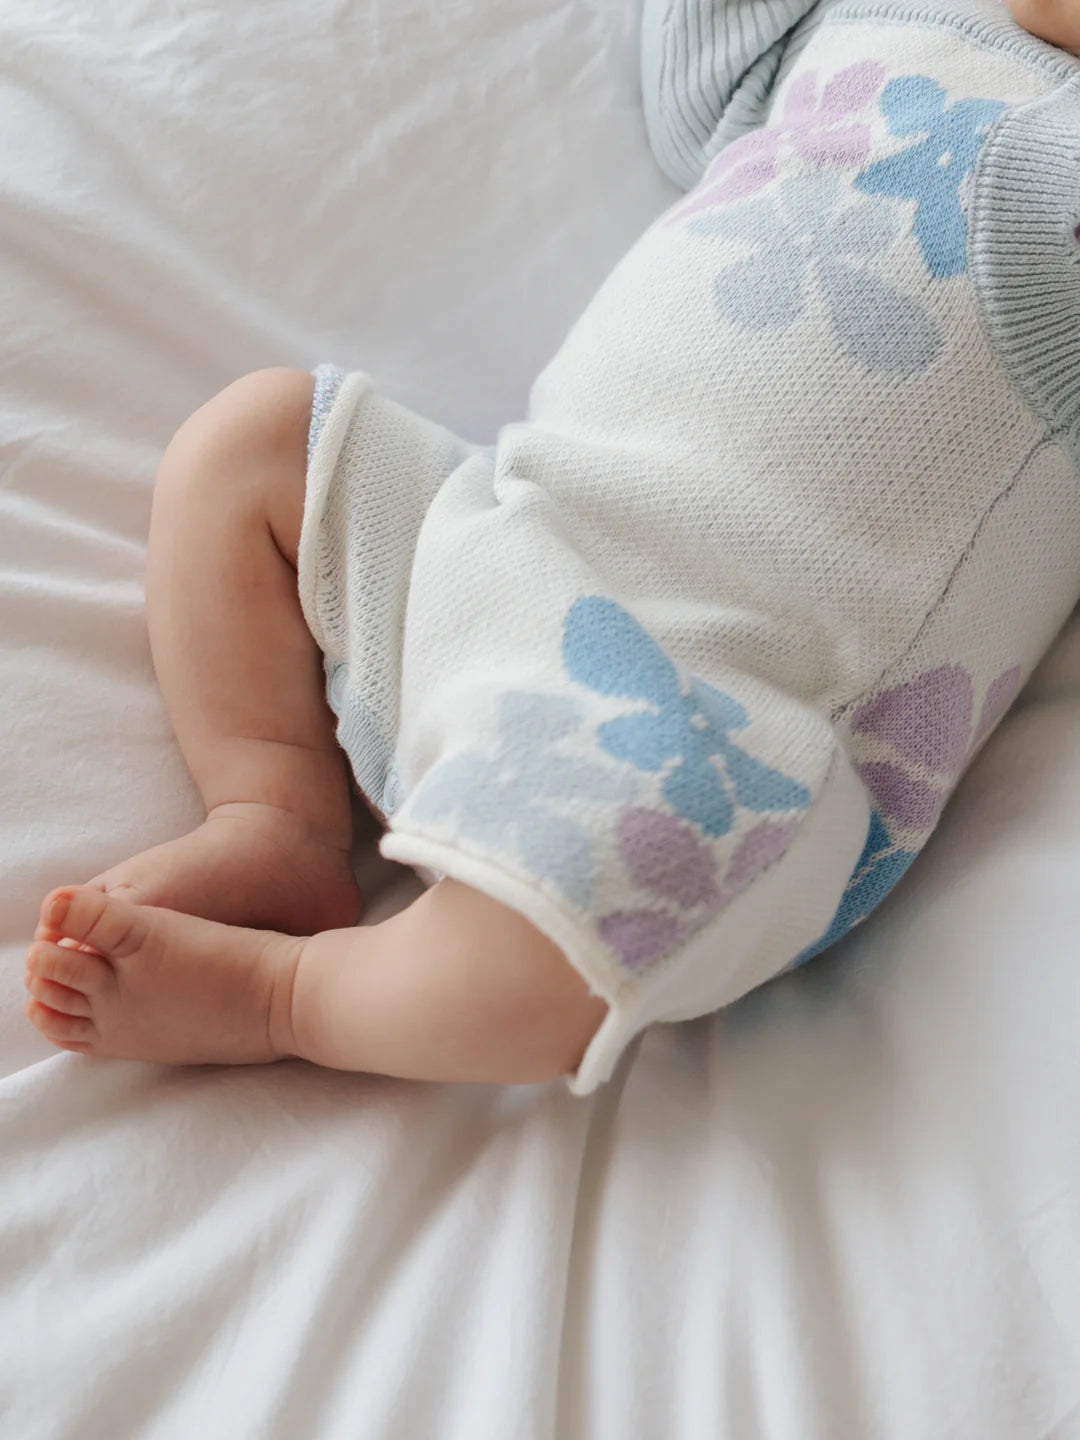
(850, 1207)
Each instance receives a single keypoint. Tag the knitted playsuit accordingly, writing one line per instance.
(686, 666)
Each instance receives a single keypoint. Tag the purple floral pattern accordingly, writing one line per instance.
(665, 857)
(999, 697)
(927, 719)
(908, 742)
(820, 123)
(926, 724)
(678, 730)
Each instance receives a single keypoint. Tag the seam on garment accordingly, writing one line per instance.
(1038, 354)
(623, 983)
(1057, 428)
(1048, 437)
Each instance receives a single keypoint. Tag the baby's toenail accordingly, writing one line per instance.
(57, 908)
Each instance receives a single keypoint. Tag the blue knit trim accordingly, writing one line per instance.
(709, 66)
(707, 61)
(364, 738)
(982, 22)
(328, 381)
(1024, 255)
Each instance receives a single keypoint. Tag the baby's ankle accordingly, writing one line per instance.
(283, 958)
(296, 824)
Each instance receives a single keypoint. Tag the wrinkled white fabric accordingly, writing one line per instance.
(849, 1211)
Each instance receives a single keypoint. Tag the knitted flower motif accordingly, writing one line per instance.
(927, 723)
(667, 860)
(805, 236)
(877, 870)
(605, 649)
(509, 801)
(818, 124)
(932, 172)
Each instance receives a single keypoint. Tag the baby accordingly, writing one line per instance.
(665, 691)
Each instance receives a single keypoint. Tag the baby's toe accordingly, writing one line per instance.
(61, 1029)
(58, 997)
(90, 917)
(73, 969)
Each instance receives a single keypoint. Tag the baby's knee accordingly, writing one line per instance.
(269, 409)
(250, 434)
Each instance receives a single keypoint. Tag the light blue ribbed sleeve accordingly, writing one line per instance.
(1024, 254)
(707, 67)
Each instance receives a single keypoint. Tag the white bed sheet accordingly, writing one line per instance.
(850, 1208)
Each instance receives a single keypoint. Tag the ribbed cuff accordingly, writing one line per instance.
(707, 67)
(1024, 254)
(755, 938)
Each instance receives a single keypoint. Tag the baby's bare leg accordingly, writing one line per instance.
(456, 987)
(241, 674)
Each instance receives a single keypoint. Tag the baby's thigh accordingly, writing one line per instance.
(244, 452)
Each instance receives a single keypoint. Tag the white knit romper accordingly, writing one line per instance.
(686, 666)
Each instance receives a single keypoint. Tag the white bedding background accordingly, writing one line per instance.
(850, 1208)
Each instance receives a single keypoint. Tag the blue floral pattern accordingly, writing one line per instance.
(524, 801)
(933, 171)
(519, 801)
(805, 233)
(877, 870)
(605, 649)
(509, 801)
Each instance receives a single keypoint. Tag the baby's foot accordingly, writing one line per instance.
(247, 864)
(157, 985)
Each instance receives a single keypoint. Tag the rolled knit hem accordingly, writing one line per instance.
(627, 1014)
(755, 939)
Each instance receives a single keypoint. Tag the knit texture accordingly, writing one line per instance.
(705, 64)
(686, 667)
(365, 530)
